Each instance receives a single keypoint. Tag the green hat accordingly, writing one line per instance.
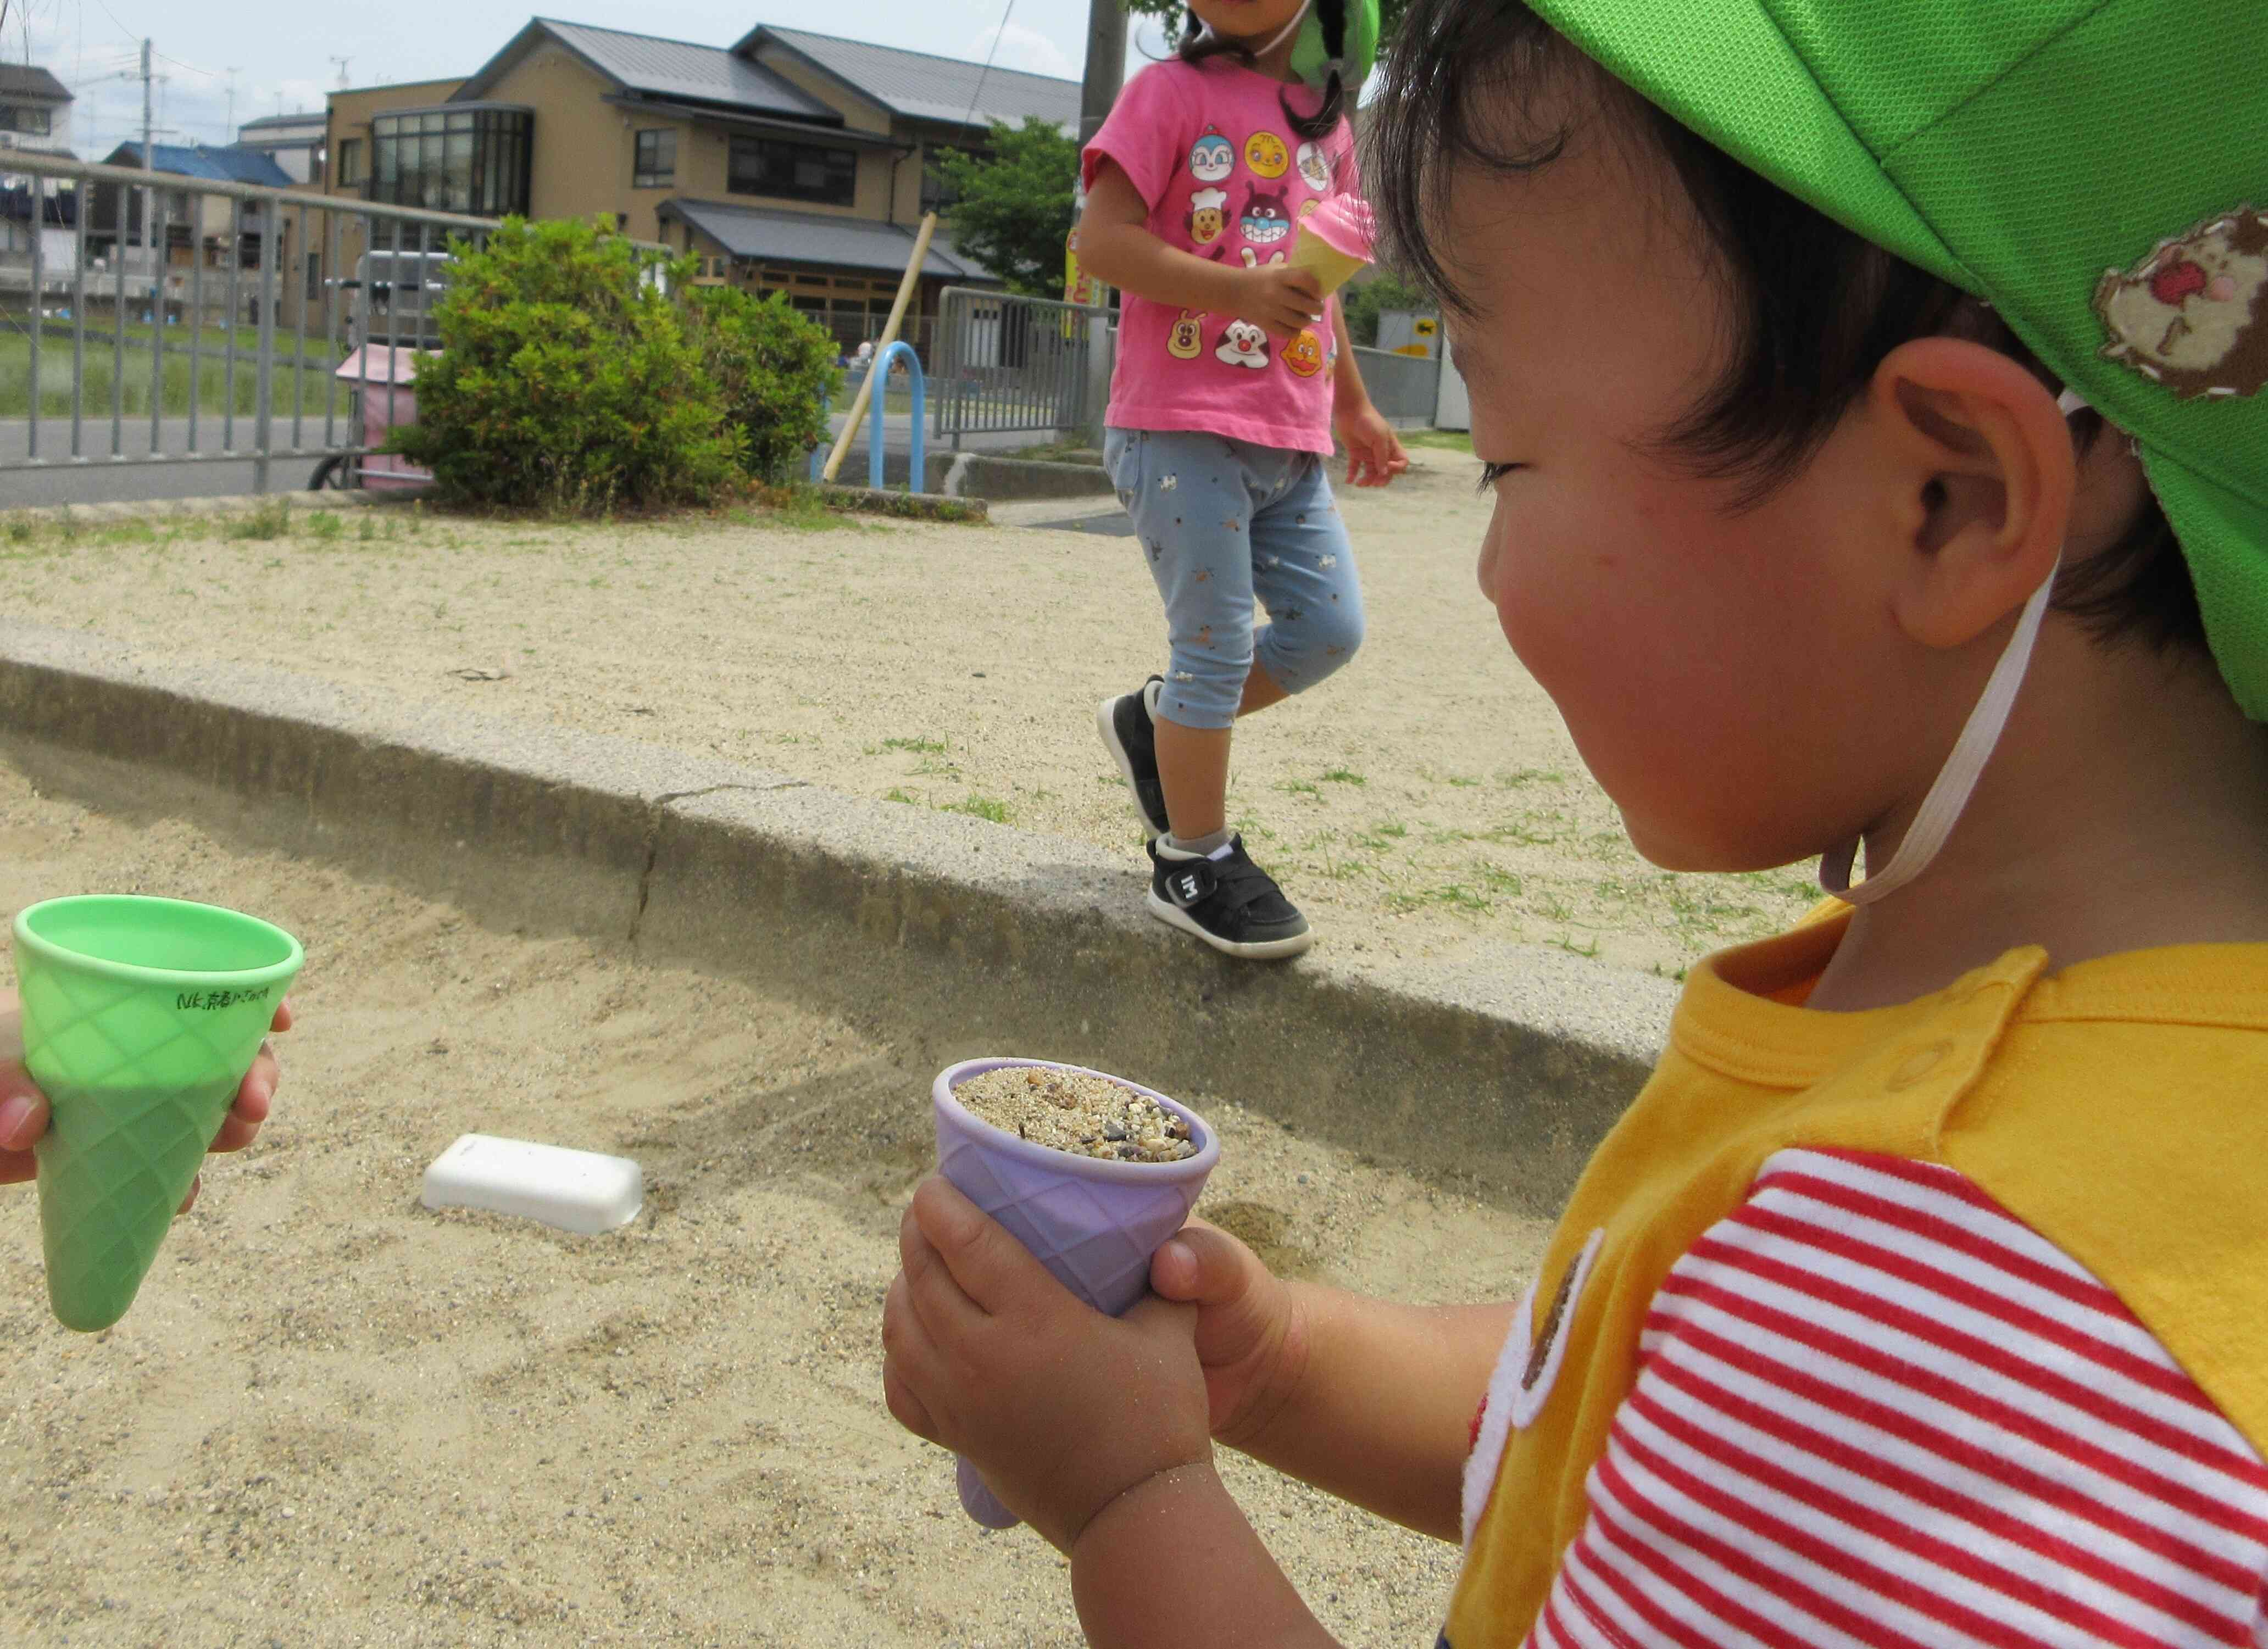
(1316, 53)
(2095, 169)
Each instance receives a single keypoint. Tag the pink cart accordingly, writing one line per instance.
(377, 376)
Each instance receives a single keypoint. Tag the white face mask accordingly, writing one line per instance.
(1940, 809)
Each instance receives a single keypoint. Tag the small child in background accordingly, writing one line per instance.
(1234, 372)
(1874, 393)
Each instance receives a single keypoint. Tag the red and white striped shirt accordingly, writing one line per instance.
(1873, 1407)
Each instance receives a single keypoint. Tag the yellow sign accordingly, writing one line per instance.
(1426, 327)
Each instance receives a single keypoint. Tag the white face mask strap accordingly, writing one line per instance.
(1940, 809)
(1281, 35)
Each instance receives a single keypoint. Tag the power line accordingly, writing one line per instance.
(998, 34)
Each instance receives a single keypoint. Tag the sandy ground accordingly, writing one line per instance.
(333, 1417)
(1425, 798)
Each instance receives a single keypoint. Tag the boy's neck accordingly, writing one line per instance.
(2125, 808)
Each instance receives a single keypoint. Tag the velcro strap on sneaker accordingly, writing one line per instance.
(1191, 882)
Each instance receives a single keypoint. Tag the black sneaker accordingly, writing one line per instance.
(1131, 736)
(1229, 902)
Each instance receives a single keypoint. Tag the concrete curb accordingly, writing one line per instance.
(951, 936)
(978, 475)
(238, 503)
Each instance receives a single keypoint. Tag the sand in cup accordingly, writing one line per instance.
(1093, 1222)
(140, 1018)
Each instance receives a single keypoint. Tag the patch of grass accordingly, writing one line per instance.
(269, 519)
(1344, 775)
(1574, 949)
(1440, 440)
(1300, 787)
(325, 527)
(898, 795)
(1498, 881)
(978, 806)
(1381, 837)
(919, 746)
(1519, 778)
(1448, 895)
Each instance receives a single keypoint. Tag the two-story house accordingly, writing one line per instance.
(136, 235)
(35, 115)
(789, 161)
(293, 142)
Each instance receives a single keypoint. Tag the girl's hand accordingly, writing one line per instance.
(1061, 1409)
(24, 1109)
(1374, 452)
(1284, 300)
(1251, 1336)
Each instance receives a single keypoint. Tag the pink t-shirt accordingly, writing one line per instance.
(1226, 177)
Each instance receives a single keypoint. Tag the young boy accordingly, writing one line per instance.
(1875, 393)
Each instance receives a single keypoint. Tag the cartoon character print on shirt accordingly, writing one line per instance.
(1315, 167)
(1303, 354)
(1212, 157)
(1208, 219)
(2193, 315)
(1243, 344)
(1526, 1370)
(1185, 341)
(1265, 153)
(1266, 218)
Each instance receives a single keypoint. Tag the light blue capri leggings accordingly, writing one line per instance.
(1223, 523)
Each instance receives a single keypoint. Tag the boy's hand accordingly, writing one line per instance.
(1251, 1338)
(1374, 452)
(24, 1109)
(1284, 300)
(1061, 1409)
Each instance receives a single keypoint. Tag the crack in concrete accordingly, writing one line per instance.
(658, 813)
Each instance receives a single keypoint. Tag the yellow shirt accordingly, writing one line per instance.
(2119, 1109)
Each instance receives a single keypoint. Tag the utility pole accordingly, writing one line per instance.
(1106, 65)
(149, 159)
(230, 136)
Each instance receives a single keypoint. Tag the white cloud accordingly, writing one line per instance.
(1024, 48)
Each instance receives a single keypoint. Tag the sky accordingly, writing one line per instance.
(278, 58)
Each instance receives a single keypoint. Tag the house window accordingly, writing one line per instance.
(351, 172)
(26, 117)
(936, 193)
(657, 160)
(473, 160)
(793, 171)
(314, 276)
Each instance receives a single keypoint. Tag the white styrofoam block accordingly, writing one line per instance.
(576, 1191)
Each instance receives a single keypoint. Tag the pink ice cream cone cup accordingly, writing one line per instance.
(1335, 241)
(1093, 1223)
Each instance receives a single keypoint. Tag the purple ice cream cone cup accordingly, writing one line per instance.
(1093, 1223)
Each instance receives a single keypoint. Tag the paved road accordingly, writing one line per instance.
(101, 480)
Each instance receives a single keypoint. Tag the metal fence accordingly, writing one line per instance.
(1000, 363)
(1402, 387)
(166, 319)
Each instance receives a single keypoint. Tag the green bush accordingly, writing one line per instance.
(570, 377)
(774, 368)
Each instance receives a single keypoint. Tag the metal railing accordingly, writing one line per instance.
(219, 310)
(1001, 363)
(1402, 387)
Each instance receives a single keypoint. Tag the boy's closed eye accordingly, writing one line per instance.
(1491, 474)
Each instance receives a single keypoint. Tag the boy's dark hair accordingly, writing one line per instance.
(1817, 306)
(1196, 45)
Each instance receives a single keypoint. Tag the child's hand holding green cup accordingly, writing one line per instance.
(142, 1018)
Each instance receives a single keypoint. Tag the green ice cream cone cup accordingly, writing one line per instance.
(140, 1018)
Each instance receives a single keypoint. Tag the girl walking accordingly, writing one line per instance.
(1234, 374)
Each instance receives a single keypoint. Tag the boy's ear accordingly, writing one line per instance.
(1981, 473)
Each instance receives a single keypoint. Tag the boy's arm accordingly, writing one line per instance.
(1367, 1399)
(1172, 1563)
(1379, 1405)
